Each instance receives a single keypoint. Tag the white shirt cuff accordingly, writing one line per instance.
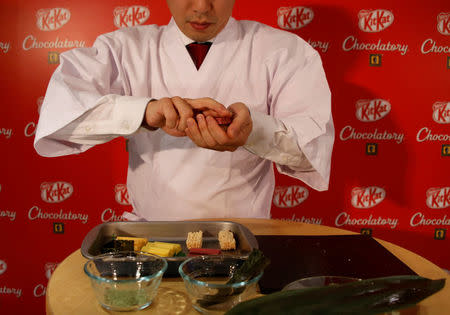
(113, 116)
(272, 140)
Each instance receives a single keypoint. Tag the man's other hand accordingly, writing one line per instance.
(171, 114)
(206, 132)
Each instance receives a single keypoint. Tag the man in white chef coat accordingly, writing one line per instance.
(142, 84)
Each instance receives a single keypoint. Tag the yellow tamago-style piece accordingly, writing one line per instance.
(175, 247)
(160, 251)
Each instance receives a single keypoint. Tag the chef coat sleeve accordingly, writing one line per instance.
(86, 102)
(298, 132)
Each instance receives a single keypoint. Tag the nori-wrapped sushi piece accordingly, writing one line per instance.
(124, 245)
(107, 247)
(115, 246)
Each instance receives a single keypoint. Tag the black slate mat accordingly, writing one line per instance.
(296, 257)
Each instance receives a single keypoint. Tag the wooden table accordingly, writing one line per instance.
(69, 290)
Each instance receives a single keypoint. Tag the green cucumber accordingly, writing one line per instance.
(366, 297)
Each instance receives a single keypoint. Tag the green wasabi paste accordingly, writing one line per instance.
(125, 298)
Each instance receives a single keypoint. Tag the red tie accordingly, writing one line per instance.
(198, 52)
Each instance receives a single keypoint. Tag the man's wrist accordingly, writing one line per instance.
(144, 120)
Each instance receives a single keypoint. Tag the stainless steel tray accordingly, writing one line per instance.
(170, 231)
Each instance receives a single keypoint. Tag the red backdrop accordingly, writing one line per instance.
(388, 66)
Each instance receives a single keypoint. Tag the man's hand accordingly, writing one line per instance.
(206, 132)
(171, 114)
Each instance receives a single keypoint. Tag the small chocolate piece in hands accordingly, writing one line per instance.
(205, 132)
(171, 114)
(221, 120)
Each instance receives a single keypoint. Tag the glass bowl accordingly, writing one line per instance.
(205, 278)
(319, 281)
(125, 281)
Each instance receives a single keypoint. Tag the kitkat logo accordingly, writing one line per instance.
(52, 19)
(372, 110)
(56, 192)
(288, 197)
(373, 21)
(39, 103)
(122, 194)
(367, 197)
(2, 267)
(443, 23)
(438, 198)
(130, 16)
(294, 18)
(49, 268)
(441, 112)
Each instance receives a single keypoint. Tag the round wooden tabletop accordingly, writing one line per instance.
(69, 290)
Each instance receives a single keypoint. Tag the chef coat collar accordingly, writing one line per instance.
(186, 40)
(225, 44)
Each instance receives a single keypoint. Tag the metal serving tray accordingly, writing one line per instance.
(170, 231)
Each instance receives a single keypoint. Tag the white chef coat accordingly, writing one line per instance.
(100, 93)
